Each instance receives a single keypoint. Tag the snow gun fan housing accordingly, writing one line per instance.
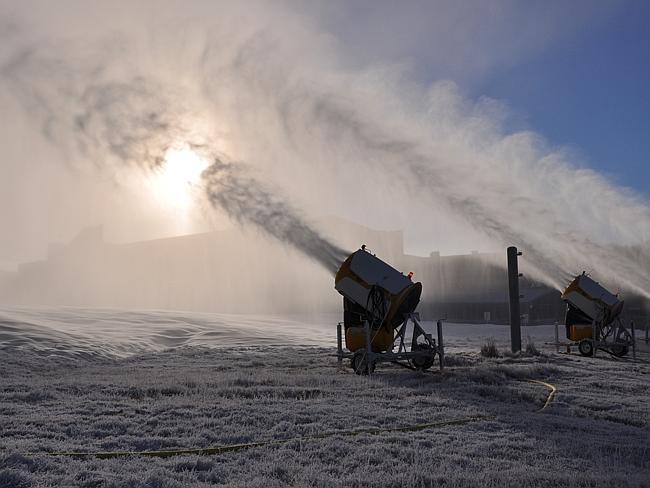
(589, 301)
(592, 309)
(375, 292)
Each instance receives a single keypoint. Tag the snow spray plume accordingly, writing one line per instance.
(81, 109)
(483, 193)
(407, 161)
(288, 99)
(244, 199)
(136, 121)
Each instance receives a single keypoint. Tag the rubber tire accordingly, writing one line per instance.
(619, 350)
(423, 363)
(359, 363)
(586, 347)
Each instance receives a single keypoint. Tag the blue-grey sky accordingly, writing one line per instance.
(591, 91)
(576, 72)
(421, 115)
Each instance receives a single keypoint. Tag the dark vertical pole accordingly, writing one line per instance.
(441, 346)
(513, 289)
(339, 343)
(369, 358)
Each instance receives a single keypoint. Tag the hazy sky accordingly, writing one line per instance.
(591, 92)
(470, 125)
(576, 71)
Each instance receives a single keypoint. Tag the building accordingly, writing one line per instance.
(239, 272)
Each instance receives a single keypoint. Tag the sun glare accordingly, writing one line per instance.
(178, 176)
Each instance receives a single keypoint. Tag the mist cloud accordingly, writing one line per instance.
(267, 86)
(244, 199)
(136, 122)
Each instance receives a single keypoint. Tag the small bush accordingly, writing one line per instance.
(171, 390)
(456, 360)
(531, 350)
(13, 479)
(489, 349)
(21, 463)
(33, 396)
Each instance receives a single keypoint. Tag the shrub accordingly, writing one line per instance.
(489, 349)
(13, 479)
(456, 360)
(531, 350)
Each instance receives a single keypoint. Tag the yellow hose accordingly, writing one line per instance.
(238, 447)
(551, 395)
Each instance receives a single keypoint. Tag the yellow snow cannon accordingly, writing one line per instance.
(378, 301)
(593, 318)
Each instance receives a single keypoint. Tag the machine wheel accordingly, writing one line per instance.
(586, 347)
(360, 363)
(423, 363)
(619, 348)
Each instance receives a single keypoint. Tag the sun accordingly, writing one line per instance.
(177, 178)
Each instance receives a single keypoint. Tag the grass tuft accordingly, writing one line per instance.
(489, 349)
(531, 349)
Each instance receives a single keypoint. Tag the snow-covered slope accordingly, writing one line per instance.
(80, 332)
(105, 380)
(118, 333)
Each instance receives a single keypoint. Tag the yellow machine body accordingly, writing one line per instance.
(588, 302)
(382, 339)
(580, 332)
(374, 291)
(592, 299)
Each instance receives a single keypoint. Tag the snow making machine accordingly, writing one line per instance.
(378, 305)
(593, 318)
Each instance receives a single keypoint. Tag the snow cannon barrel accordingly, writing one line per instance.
(375, 292)
(588, 301)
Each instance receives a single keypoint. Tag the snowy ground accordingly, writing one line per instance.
(92, 380)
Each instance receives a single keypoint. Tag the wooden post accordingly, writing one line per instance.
(339, 344)
(513, 289)
(441, 347)
(633, 341)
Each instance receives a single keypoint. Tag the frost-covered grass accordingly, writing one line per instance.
(595, 433)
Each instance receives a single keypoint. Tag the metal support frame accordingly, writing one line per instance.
(369, 354)
(604, 338)
(403, 352)
(595, 340)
